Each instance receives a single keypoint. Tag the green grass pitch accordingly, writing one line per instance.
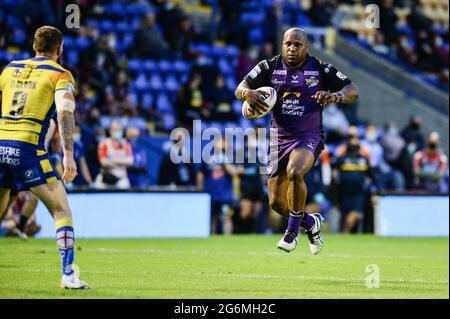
(229, 267)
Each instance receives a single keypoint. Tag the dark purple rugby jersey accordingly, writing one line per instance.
(296, 112)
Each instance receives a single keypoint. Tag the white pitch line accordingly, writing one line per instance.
(244, 276)
(252, 253)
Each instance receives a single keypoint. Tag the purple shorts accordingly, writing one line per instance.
(279, 154)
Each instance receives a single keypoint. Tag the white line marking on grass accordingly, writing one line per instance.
(244, 276)
(252, 253)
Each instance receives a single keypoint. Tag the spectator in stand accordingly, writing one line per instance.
(190, 103)
(413, 134)
(321, 12)
(137, 173)
(86, 99)
(120, 87)
(99, 63)
(388, 21)
(180, 40)
(182, 173)
(251, 187)
(335, 124)
(149, 42)
(405, 50)
(115, 155)
(215, 176)
(221, 99)
(430, 165)
(352, 134)
(84, 178)
(386, 177)
(398, 154)
(351, 172)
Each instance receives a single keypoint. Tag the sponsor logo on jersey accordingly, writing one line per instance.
(254, 73)
(17, 73)
(312, 82)
(311, 73)
(294, 79)
(296, 94)
(280, 72)
(341, 75)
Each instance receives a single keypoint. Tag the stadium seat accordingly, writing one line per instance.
(163, 103)
(106, 26)
(225, 67)
(181, 66)
(155, 82)
(256, 36)
(164, 65)
(147, 101)
(149, 65)
(72, 57)
(141, 82)
(171, 83)
(82, 43)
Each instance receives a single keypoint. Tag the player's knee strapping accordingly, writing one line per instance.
(65, 240)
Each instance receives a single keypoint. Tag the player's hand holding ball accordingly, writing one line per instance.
(258, 102)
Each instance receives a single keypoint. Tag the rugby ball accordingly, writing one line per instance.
(269, 96)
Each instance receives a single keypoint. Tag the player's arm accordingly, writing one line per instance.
(65, 106)
(340, 89)
(246, 90)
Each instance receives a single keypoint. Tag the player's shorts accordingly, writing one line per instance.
(279, 154)
(22, 166)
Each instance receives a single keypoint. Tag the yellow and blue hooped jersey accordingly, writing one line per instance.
(28, 88)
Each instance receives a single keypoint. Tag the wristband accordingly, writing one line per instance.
(339, 96)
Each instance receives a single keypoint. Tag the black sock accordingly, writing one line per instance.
(22, 223)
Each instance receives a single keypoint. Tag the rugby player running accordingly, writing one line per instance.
(304, 86)
(29, 88)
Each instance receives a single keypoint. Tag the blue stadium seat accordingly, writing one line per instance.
(134, 65)
(225, 67)
(231, 83)
(163, 103)
(69, 42)
(171, 83)
(237, 106)
(82, 43)
(72, 57)
(149, 65)
(141, 82)
(128, 40)
(232, 51)
(256, 36)
(155, 81)
(147, 101)
(133, 97)
(181, 66)
(169, 121)
(165, 65)
(106, 26)
(252, 18)
(122, 26)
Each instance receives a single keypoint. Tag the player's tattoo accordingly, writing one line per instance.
(66, 123)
